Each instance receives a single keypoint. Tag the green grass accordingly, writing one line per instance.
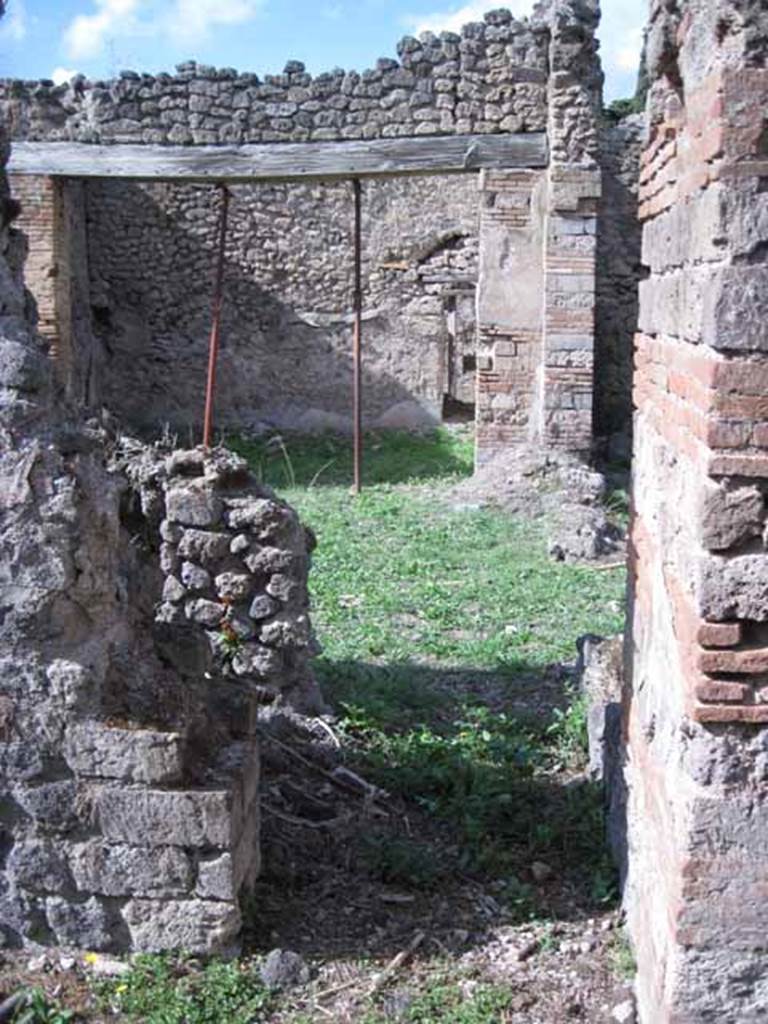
(421, 609)
(160, 990)
(446, 1002)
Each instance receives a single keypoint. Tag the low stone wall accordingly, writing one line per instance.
(132, 673)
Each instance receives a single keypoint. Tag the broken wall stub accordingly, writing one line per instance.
(697, 699)
(149, 601)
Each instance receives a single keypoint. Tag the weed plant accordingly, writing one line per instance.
(161, 990)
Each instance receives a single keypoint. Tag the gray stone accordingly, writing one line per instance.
(55, 806)
(40, 865)
(234, 586)
(262, 607)
(194, 577)
(256, 660)
(284, 969)
(135, 755)
(215, 879)
(193, 504)
(195, 926)
(173, 590)
(206, 613)
(282, 587)
(203, 546)
(730, 515)
(87, 925)
(172, 818)
(116, 869)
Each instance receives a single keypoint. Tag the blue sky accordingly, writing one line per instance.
(55, 38)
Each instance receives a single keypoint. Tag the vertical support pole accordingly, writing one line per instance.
(216, 319)
(357, 345)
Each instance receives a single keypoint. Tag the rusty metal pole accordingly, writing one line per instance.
(216, 319)
(357, 387)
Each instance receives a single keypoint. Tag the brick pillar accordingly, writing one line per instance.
(697, 735)
(567, 375)
(56, 273)
(508, 308)
(40, 200)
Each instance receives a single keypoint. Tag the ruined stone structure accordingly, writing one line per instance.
(452, 273)
(150, 600)
(697, 715)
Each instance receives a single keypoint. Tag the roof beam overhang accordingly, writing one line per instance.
(285, 161)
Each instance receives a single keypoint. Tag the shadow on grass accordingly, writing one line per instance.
(485, 797)
(288, 460)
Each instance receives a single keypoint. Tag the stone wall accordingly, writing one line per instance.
(490, 78)
(288, 300)
(150, 601)
(619, 270)
(287, 320)
(697, 702)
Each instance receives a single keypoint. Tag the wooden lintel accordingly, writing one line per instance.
(438, 154)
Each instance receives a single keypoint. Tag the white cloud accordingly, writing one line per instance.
(180, 21)
(13, 27)
(453, 19)
(193, 19)
(621, 36)
(87, 34)
(60, 76)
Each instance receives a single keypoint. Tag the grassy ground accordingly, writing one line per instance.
(444, 631)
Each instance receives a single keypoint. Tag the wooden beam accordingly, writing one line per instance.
(438, 154)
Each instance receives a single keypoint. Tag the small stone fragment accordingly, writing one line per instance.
(234, 586)
(207, 613)
(624, 1013)
(284, 969)
(262, 607)
(240, 544)
(194, 577)
(173, 590)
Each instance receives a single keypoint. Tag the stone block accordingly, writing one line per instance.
(234, 586)
(215, 879)
(203, 546)
(116, 869)
(735, 308)
(85, 925)
(194, 577)
(134, 755)
(193, 504)
(199, 927)
(730, 515)
(206, 613)
(54, 806)
(201, 819)
(39, 865)
(733, 588)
